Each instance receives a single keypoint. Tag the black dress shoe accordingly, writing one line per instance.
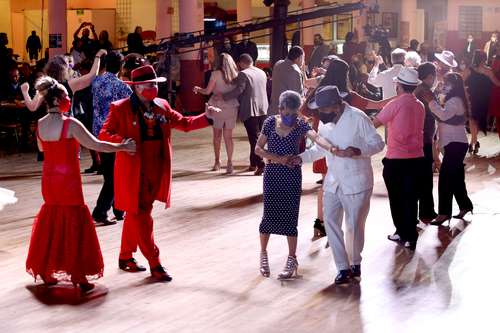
(104, 221)
(343, 277)
(159, 273)
(92, 169)
(356, 271)
(411, 245)
(130, 265)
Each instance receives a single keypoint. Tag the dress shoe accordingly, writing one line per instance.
(441, 219)
(159, 273)
(92, 169)
(356, 271)
(411, 245)
(343, 277)
(130, 265)
(462, 213)
(104, 221)
(394, 237)
(259, 172)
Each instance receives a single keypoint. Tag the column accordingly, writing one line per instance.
(191, 19)
(307, 34)
(164, 13)
(243, 13)
(408, 21)
(58, 27)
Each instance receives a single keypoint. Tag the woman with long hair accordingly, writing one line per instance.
(452, 138)
(221, 82)
(64, 244)
(337, 74)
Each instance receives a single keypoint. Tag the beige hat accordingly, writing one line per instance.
(447, 58)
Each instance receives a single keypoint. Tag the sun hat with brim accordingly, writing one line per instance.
(408, 76)
(447, 58)
(144, 74)
(326, 96)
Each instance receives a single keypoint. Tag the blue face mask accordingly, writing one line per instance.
(289, 120)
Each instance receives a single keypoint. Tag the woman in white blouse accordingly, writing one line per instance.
(453, 142)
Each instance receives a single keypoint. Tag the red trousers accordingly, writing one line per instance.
(138, 228)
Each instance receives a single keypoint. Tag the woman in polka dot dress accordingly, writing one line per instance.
(282, 180)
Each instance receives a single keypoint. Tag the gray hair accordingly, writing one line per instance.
(290, 99)
(398, 56)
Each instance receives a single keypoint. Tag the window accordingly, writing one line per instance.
(342, 24)
(470, 21)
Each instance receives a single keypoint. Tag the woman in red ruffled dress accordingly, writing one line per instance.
(64, 244)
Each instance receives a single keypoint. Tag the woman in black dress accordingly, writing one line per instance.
(479, 88)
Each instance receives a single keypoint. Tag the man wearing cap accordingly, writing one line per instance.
(385, 79)
(348, 183)
(403, 162)
(144, 177)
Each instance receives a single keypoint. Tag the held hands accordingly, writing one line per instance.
(290, 161)
(129, 146)
(379, 61)
(349, 152)
(196, 89)
(25, 87)
(210, 110)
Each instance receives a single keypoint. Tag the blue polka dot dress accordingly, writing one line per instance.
(282, 185)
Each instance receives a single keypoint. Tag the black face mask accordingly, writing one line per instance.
(327, 117)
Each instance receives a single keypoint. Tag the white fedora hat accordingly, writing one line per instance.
(408, 76)
(447, 58)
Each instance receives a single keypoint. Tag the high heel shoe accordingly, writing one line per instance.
(264, 265)
(84, 286)
(216, 166)
(462, 213)
(476, 148)
(441, 219)
(319, 230)
(290, 269)
(470, 149)
(230, 169)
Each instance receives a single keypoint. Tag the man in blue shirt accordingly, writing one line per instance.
(107, 88)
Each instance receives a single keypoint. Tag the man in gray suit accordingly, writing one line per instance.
(287, 75)
(319, 51)
(251, 92)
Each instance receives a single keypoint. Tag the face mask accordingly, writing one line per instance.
(289, 120)
(469, 40)
(326, 117)
(64, 104)
(150, 93)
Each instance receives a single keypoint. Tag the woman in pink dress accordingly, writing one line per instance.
(64, 244)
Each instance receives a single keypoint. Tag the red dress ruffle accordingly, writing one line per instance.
(64, 242)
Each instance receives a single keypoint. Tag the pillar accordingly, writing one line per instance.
(243, 12)
(164, 13)
(307, 34)
(408, 21)
(58, 27)
(191, 15)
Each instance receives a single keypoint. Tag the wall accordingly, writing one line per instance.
(143, 13)
(5, 22)
(491, 15)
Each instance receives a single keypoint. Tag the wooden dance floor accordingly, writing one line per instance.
(209, 243)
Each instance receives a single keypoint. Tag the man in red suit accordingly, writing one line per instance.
(144, 177)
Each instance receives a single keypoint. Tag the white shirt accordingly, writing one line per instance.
(353, 175)
(448, 133)
(385, 80)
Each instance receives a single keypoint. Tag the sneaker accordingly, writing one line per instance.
(343, 277)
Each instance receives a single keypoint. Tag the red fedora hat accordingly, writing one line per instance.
(144, 74)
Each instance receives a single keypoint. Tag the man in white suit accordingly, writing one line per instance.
(348, 184)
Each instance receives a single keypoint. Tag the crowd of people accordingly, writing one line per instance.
(110, 104)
